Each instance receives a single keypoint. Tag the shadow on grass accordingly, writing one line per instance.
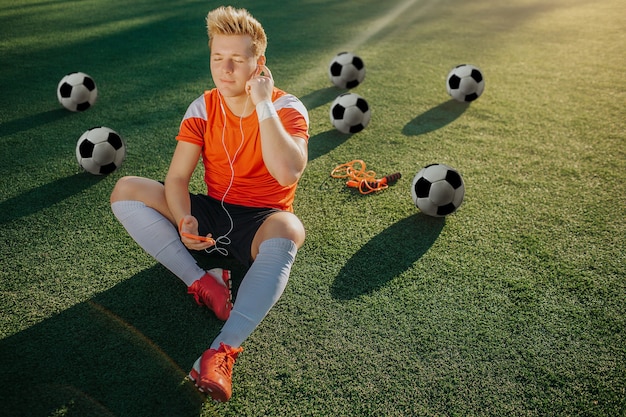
(320, 97)
(45, 196)
(125, 352)
(32, 121)
(324, 142)
(387, 255)
(435, 118)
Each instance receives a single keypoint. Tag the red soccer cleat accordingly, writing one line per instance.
(212, 372)
(207, 291)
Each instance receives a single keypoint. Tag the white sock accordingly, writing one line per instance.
(158, 237)
(260, 289)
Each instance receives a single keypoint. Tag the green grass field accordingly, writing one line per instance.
(515, 305)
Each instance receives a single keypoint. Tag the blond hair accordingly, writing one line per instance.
(230, 21)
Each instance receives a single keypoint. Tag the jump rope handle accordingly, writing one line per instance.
(391, 178)
(366, 187)
(386, 180)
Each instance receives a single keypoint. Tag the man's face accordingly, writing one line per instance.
(232, 63)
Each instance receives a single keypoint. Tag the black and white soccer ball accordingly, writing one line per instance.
(100, 150)
(346, 70)
(77, 91)
(438, 190)
(465, 83)
(350, 113)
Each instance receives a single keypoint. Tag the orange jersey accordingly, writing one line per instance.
(231, 149)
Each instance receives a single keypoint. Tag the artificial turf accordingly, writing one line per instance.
(513, 305)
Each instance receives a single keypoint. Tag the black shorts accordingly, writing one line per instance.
(232, 226)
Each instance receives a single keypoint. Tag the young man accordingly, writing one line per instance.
(252, 138)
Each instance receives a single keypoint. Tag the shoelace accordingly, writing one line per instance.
(225, 365)
(225, 360)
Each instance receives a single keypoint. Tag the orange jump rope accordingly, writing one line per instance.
(365, 181)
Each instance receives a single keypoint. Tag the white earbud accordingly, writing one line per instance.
(222, 106)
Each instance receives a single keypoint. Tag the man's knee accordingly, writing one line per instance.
(149, 191)
(122, 189)
(280, 225)
(292, 228)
